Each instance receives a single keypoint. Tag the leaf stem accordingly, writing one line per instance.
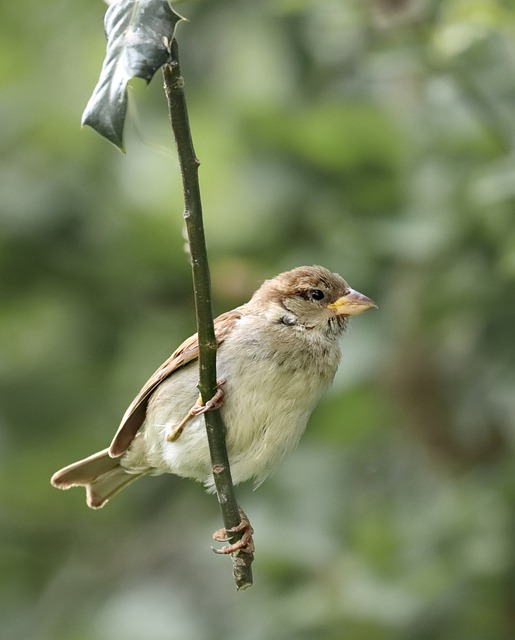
(174, 90)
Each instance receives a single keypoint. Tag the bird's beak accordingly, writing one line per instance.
(351, 304)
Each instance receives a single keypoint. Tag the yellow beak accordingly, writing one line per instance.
(352, 304)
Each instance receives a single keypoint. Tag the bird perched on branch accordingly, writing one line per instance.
(277, 354)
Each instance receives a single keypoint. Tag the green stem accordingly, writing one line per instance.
(173, 85)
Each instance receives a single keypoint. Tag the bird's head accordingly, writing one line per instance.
(311, 297)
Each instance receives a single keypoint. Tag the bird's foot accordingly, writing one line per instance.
(197, 409)
(244, 545)
(216, 401)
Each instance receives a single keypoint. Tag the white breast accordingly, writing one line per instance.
(272, 386)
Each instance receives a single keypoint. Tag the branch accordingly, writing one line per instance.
(173, 85)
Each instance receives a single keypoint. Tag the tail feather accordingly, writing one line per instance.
(102, 476)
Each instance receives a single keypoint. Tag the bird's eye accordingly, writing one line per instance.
(317, 294)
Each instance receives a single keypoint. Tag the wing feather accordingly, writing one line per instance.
(187, 352)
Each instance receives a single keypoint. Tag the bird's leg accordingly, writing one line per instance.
(197, 409)
(245, 544)
(216, 401)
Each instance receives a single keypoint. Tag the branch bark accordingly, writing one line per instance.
(174, 90)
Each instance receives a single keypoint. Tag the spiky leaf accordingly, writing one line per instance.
(138, 33)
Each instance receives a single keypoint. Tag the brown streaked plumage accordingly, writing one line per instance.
(277, 353)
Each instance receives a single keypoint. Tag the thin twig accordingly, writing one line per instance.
(173, 84)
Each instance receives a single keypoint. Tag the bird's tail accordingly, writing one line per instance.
(101, 475)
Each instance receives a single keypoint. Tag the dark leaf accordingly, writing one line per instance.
(138, 33)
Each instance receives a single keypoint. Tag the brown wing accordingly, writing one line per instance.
(187, 352)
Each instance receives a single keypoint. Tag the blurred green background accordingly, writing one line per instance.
(375, 137)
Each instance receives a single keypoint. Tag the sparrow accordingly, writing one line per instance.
(276, 356)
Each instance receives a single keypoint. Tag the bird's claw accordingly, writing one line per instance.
(197, 409)
(216, 401)
(244, 545)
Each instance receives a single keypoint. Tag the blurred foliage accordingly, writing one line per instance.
(375, 137)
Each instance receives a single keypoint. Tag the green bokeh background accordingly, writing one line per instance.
(375, 137)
